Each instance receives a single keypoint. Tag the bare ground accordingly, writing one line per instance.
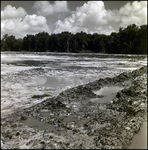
(77, 118)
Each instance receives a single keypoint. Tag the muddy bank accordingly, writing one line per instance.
(140, 139)
(87, 116)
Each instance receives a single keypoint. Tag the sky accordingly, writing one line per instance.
(20, 18)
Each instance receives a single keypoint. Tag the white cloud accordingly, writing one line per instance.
(92, 12)
(112, 15)
(44, 8)
(87, 18)
(31, 24)
(107, 29)
(17, 22)
(135, 13)
(34, 20)
(8, 25)
(92, 17)
(67, 25)
(11, 12)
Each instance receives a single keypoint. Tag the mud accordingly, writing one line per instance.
(140, 139)
(83, 116)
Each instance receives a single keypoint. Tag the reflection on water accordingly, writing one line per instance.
(28, 78)
(106, 94)
(108, 90)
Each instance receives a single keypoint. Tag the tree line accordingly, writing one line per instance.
(129, 40)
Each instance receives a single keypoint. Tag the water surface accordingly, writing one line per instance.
(140, 139)
(27, 78)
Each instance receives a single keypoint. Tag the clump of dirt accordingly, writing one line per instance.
(73, 120)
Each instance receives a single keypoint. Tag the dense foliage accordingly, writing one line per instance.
(129, 40)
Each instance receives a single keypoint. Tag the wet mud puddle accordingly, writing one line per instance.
(140, 139)
(106, 94)
(39, 125)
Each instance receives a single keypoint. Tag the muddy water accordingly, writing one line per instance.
(29, 78)
(140, 139)
(106, 94)
(37, 124)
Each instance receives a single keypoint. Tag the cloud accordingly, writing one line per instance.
(135, 13)
(11, 12)
(92, 12)
(68, 25)
(107, 29)
(34, 20)
(30, 24)
(92, 17)
(44, 8)
(17, 22)
(87, 18)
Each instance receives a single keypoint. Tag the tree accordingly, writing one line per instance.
(10, 42)
(28, 43)
(129, 40)
(18, 44)
(114, 43)
(143, 39)
(41, 44)
(64, 42)
(53, 43)
(129, 43)
(3, 42)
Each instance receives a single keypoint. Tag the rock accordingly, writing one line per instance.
(135, 103)
(127, 128)
(23, 117)
(17, 134)
(42, 142)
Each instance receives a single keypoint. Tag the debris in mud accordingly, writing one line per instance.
(40, 96)
(73, 120)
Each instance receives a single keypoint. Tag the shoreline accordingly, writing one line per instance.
(139, 141)
(76, 122)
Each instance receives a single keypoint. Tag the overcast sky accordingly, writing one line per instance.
(20, 18)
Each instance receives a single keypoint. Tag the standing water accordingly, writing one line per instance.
(27, 78)
(140, 139)
(30, 78)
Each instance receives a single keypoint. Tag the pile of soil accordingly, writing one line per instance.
(78, 119)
